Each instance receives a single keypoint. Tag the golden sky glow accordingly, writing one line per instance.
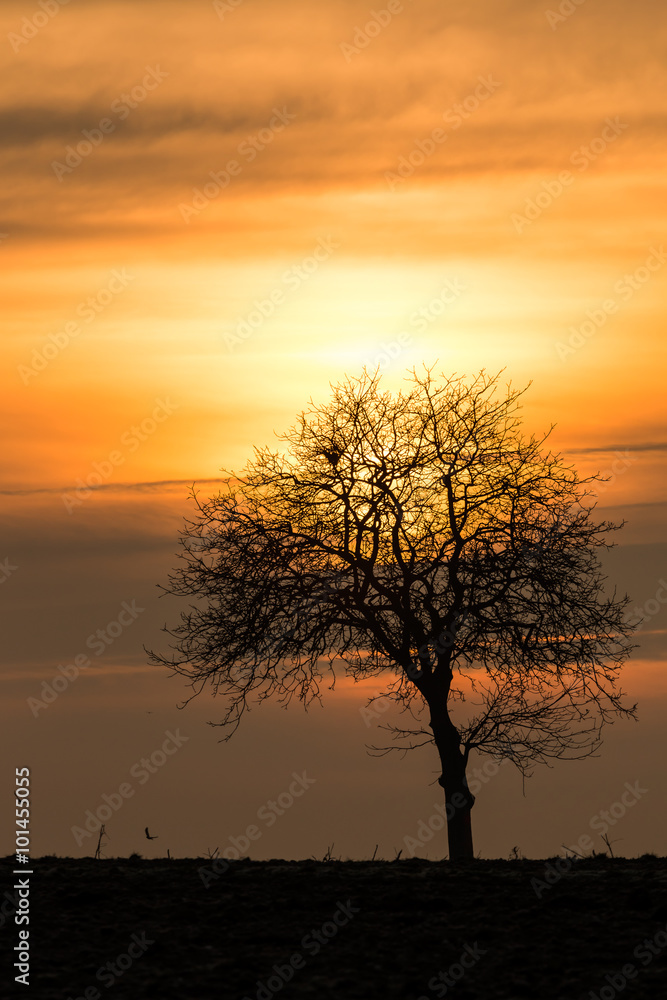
(327, 171)
(478, 184)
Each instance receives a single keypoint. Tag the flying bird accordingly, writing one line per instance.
(148, 836)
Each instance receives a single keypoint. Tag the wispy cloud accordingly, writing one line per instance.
(163, 485)
(612, 448)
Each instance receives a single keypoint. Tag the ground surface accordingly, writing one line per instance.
(386, 930)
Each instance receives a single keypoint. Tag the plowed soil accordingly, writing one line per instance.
(410, 930)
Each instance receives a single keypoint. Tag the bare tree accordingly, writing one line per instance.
(421, 537)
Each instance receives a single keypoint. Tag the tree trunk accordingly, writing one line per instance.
(459, 800)
(458, 804)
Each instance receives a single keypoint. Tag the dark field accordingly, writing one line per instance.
(122, 928)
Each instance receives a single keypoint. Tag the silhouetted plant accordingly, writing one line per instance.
(419, 537)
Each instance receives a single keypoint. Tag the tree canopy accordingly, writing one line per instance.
(421, 537)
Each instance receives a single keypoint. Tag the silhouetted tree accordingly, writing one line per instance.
(423, 538)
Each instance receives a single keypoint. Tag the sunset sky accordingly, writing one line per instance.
(212, 211)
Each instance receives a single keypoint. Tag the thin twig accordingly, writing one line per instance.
(98, 849)
(605, 837)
